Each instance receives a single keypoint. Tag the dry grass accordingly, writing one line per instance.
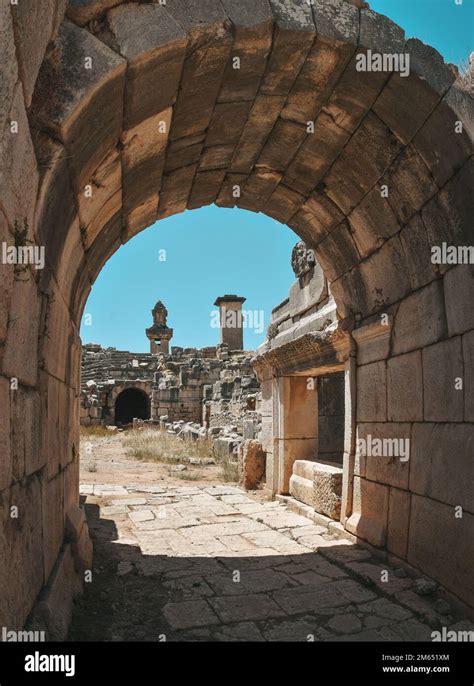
(95, 432)
(230, 470)
(154, 445)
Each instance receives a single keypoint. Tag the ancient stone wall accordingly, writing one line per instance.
(371, 168)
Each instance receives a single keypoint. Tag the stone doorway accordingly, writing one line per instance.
(132, 403)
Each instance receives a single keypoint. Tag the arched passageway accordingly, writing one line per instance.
(260, 104)
(132, 403)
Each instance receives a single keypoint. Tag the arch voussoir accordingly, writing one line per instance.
(132, 112)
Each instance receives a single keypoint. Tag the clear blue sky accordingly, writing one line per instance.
(209, 252)
(213, 251)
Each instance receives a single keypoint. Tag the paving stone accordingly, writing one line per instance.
(189, 613)
(345, 624)
(242, 631)
(243, 607)
(142, 516)
(257, 581)
(301, 629)
(188, 587)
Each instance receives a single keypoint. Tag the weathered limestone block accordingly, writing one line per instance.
(56, 328)
(101, 198)
(282, 145)
(337, 30)
(442, 147)
(209, 44)
(18, 166)
(54, 432)
(33, 32)
(206, 186)
(372, 222)
(410, 185)
(175, 189)
(77, 533)
(251, 464)
(420, 319)
(369, 511)
(405, 388)
(380, 33)
(414, 239)
(216, 157)
(79, 293)
(325, 210)
(398, 522)
(283, 203)
(315, 156)
(226, 124)
(263, 115)
(258, 189)
(72, 253)
(458, 296)
(53, 613)
(389, 467)
(460, 102)
(25, 432)
(153, 43)
(385, 276)
(253, 27)
(337, 253)
(307, 225)
(353, 95)
(440, 463)
(372, 392)
(143, 159)
(104, 246)
(327, 490)
(468, 357)
(56, 208)
(441, 543)
(53, 521)
(428, 80)
(6, 466)
(301, 488)
(443, 397)
(293, 37)
(20, 358)
(84, 11)
(183, 152)
(21, 552)
(365, 158)
(79, 98)
(231, 190)
(8, 61)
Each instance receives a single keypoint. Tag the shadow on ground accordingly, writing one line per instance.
(303, 597)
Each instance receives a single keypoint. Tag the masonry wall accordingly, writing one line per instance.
(76, 126)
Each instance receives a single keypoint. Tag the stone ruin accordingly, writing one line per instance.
(239, 138)
(193, 392)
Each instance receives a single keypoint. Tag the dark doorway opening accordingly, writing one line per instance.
(331, 418)
(132, 403)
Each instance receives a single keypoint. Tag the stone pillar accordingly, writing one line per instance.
(159, 334)
(232, 333)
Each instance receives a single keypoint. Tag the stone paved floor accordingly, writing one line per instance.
(196, 563)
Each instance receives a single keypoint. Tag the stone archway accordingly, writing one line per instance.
(260, 105)
(131, 403)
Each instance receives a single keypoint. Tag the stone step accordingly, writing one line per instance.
(302, 489)
(318, 484)
(304, 468)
